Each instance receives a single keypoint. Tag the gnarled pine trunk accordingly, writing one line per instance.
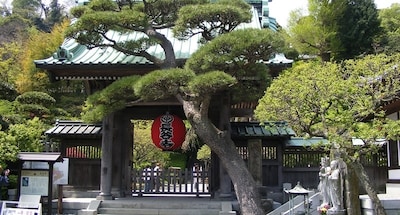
(222, 145)
(364, 179)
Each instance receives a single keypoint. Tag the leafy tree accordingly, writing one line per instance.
(26, 137)
(144, 151)
(341, 29)
(338, 102)
(9, 69)
(204, 155)
(390, 22)
(13, 28)
(42, 16)
(35, 104)
(38, 46)
(8, 148)
(7, 91)
(194, 86)
(358, 26)
(29, 136)
(315, 34)
(55, 14)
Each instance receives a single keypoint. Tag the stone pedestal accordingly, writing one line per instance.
(336, 212)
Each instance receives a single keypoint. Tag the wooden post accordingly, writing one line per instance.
(106, 159)
(50, 189)
(255, 159)
(60, 199)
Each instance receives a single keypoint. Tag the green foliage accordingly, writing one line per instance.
(40, 45)
(100, 16)
(239, 54)
(235, 52)
(33, 109)
(35, 97)
(161, 84)
(12, 182)
(43, 16)
(8, 148)
(315, 34)
(204, 153)
(390, 22)
(211, 20)
(144, 151)
(27, 8)
(336, 29)
(14, 28)
(251, 88)
(112, 98)
(336, 101)
(28, 136)
(7, 92)
(34, 104)
(177, 160)
(9, 69)
(55, 15)
(358, 26)
(5, 107)
(210, 83)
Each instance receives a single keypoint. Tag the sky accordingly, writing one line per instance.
(280, 9)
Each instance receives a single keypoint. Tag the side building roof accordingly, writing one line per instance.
(65, 128)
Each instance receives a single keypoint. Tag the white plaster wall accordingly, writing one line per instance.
(392, 188)
(394, 174)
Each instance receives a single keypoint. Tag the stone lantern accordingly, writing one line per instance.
(296, 191)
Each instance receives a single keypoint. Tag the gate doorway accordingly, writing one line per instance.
(172, 181)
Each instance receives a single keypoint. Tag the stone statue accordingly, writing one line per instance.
(331, 186)
(323, 185)
(335, 187)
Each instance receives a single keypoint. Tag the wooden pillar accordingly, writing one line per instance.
(255, 159)
(127, 151)
(224, 125)
(122, 155)
(106, 159)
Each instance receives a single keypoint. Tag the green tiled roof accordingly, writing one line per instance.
(72, 53)
(255, 129)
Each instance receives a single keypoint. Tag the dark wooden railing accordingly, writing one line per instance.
(170, 181)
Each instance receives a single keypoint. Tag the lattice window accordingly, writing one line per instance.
(243, 152)
(269, 153)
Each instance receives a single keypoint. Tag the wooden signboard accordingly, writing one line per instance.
(34, 182)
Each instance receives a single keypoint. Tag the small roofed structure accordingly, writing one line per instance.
(81, 143)
(40, 156)
(50, 158)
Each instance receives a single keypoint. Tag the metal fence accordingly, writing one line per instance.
(170, 181)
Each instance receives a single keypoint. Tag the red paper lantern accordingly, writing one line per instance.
(168, 132)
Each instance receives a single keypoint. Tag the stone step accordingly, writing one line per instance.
(150, 203)
(143, 211)
(158, 206)
(163, 206)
